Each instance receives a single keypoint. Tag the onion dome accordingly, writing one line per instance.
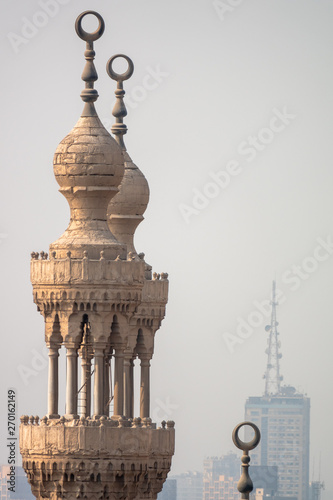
(89, 167)
(126, 209)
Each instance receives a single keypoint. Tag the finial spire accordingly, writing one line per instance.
(119, 129)
(89, 95)
(245, 484)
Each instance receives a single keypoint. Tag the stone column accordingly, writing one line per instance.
(128, 386)
(132, 387)
(86, 385)
(145, 387)
(98, 385)
(53, 383)
(119, 382)
(71, 382)
(106, 384)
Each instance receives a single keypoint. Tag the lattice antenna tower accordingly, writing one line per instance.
(272, 376)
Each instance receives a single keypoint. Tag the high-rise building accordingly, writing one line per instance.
(20, 489)
(102, 304)
(186, 486)
(169, 491)
(221, 476)
(189, 485)
(264, 477)
(228, 465)
(283, 417)
(284, 424)
(315, 490)
(260, 494)
(224, 488)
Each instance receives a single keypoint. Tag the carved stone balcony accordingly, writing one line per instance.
(96, 459)
(72, 271)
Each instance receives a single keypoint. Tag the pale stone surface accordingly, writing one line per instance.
(96, 308)
(126, 209)
(88, 166)
(99, 300)
(96, 459)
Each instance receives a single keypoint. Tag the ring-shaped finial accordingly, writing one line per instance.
(84, 35)
(123, 76)
(251, 444)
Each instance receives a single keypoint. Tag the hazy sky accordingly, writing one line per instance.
(230, 119)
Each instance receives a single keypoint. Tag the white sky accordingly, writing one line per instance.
(220, 79)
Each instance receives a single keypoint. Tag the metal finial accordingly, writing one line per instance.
(89, 95)
(119, 111)
(245, 485)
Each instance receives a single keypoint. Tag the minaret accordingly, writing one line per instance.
(272, 376)
(99, 303)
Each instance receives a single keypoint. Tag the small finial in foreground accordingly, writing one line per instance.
(245, 485)
(89, 95)
(119, 111)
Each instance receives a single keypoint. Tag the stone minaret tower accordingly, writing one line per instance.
(102, 306)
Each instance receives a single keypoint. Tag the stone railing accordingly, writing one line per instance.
(155, 291)
(99, 437)
(96, 422)
(62, 271)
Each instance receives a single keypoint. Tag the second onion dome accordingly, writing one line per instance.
(126, 209)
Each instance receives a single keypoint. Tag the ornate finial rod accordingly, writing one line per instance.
(119, 111)
(245, 485)
(89, 95)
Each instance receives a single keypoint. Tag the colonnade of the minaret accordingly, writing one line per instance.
(93, 386)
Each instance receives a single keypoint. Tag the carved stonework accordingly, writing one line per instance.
(102, 305)
(83, 458)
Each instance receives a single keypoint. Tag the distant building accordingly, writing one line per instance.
(228, 466)
(189, 485)
(283, 417)
(264, 478)
(224, 488)
(284, 421)
(222, 474)
(315, 490)
(220, 478)
(260, 494)
(169, 491)
(22, 487)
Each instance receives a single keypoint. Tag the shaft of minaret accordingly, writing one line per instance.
(145, 387)
(71, 381)
(53, 382)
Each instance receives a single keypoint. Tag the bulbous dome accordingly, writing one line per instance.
(126, 209)
(88, 156)
(88, 166)
(133, 195)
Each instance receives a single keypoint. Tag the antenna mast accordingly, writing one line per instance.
(272, 376)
